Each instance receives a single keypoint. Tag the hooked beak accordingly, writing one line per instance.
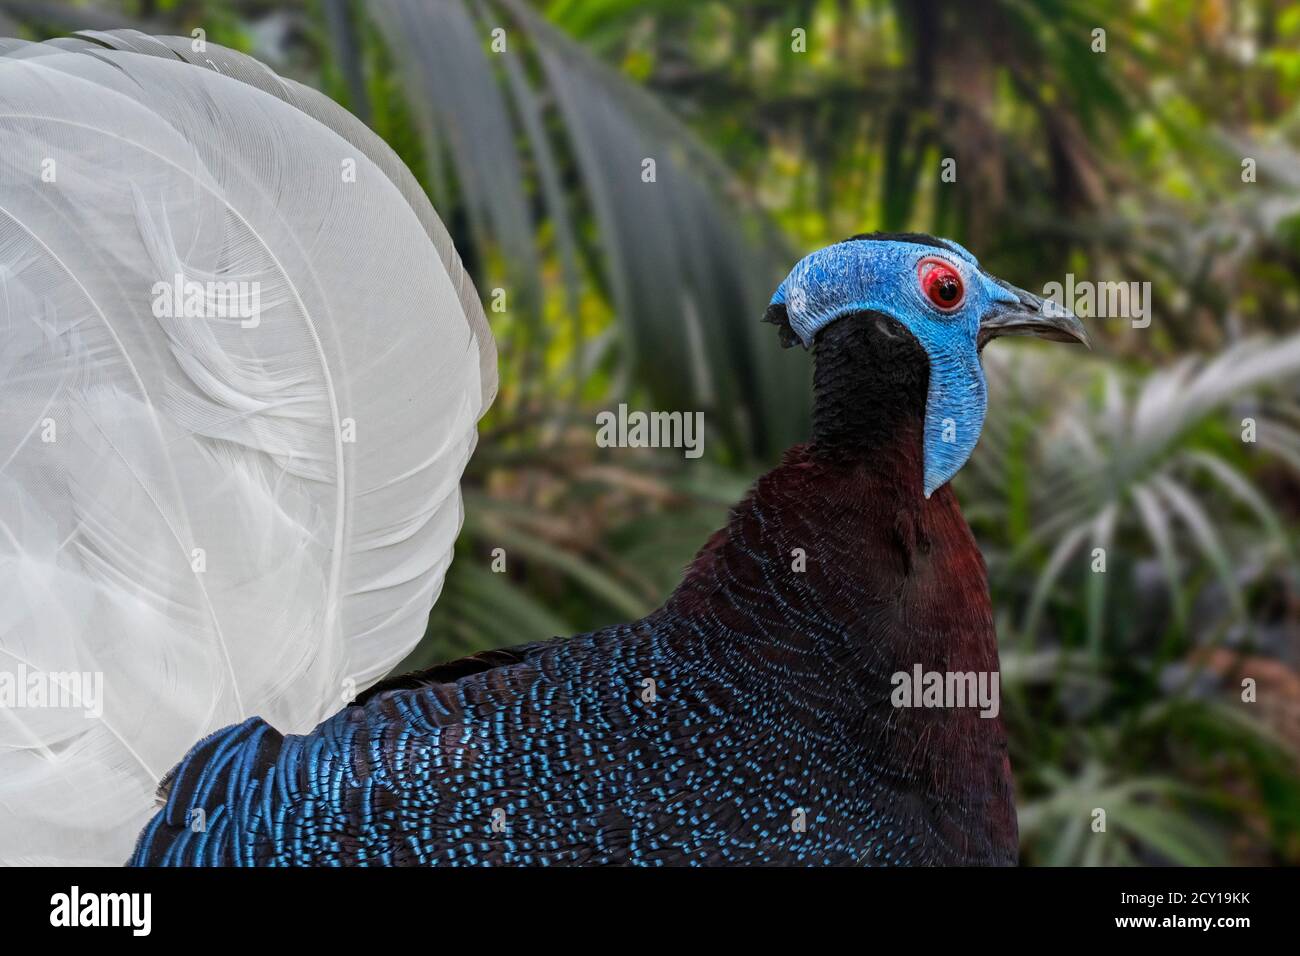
(1024, 313)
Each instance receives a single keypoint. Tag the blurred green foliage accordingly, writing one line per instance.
(778, 126)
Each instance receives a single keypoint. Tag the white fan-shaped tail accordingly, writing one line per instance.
(241, 367)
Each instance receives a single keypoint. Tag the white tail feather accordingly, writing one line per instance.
(240, 371)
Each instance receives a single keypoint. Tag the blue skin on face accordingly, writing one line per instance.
(883, 276)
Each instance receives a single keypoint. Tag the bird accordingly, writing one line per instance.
(241, 367)
(754, 718)
(751, 719)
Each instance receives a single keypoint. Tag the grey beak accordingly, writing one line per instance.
(1031, 315)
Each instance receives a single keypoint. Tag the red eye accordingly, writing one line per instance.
(941, 284)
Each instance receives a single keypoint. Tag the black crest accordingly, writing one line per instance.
(917, 238)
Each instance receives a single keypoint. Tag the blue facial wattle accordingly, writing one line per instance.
(882, 276)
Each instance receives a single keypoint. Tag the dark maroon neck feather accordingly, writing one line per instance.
(869, 395)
